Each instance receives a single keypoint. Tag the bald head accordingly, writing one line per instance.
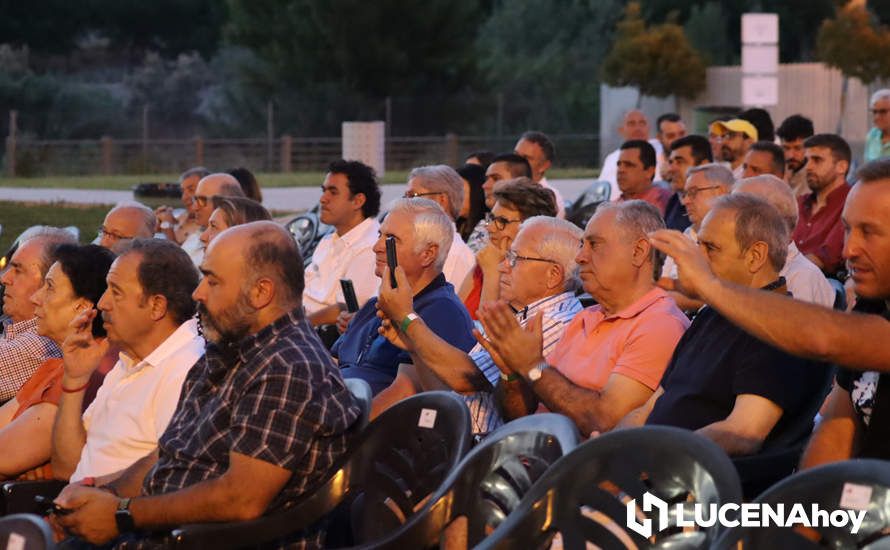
(221, 184)
(267, 250)
(127, 221)
(774, 191)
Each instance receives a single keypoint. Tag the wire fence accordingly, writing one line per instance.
(31, 157)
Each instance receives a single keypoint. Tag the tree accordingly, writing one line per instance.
(658, 61)
(854, 43)
(544, 58)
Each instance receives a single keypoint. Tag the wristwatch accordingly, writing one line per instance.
(535, 373)
(123, 518)
(166, 225)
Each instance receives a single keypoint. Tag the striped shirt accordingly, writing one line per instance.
(22, 350)
(558, 310)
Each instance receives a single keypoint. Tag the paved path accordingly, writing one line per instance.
(280, 198)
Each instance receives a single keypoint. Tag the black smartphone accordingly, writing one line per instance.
(47, 506)
(349, 295)
(391, 260)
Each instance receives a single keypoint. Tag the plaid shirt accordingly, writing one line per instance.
(277, 397)
(22, 350)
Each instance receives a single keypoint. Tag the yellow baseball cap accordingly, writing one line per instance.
(735, 125)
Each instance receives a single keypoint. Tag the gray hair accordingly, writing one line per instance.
(51, 238)
(774, 191)
(431, 225)
(440, 178)
(883, 93)
(714, 173)
(199, 171)
(637, 219)
(558, 241)
(149, 220)
(757, 220)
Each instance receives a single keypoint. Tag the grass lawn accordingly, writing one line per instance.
(296, 179)
(18, 216)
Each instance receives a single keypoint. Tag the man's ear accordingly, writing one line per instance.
(642, 251)
(429, 255)
(157, 307)
(756, 256)
(262, 293)
(359, 200)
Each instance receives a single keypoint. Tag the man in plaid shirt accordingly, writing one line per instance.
(261, 420)
(22, 350)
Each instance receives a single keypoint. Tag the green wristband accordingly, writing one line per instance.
(410, 318)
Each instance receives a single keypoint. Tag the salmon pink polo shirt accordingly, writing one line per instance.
(636, 342)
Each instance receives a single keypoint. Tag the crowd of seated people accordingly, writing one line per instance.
(192, 368)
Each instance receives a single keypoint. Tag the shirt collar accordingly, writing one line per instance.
(792, 252)
(438, 282)
(16, 329)
(630, 311)
(544, 304)
(185, 332)
(810, 198)
(356, 233)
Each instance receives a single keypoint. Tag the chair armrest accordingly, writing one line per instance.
(18, 496)
(238, 534)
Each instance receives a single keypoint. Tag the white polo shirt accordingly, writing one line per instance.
(350, 256)
(459, 263)
(560, 207)
(135, 404)
(804, 280)
(194, 247)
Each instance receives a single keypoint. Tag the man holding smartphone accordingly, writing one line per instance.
(423, 234)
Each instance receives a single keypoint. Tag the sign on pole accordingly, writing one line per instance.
(760, 59)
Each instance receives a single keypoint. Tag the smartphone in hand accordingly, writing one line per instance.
(391, 260)
(47, 506)
(349, 295)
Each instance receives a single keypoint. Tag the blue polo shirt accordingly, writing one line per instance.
(364, 354)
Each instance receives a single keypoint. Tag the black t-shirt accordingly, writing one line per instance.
(675, 216)
(715, 361)
(870, 393)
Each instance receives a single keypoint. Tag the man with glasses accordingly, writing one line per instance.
(537, 275)
(503, 167)
(704, 185)
(736, 138)
(202, 207)
(125, 222)
(444, 186)
(612, 355)
(877, 141)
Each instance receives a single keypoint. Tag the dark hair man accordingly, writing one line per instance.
(792, 133)
(636, 171)
(685, 153)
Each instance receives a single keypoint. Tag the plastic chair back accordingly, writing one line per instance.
(586, 204)
(17, 497)
(400, 458)
(25, 532)
(490, 481)
(825, 486)
(362, 393)
(584, 497)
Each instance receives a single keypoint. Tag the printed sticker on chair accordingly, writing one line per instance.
(15, 542)
(427, 418)
(855, 497)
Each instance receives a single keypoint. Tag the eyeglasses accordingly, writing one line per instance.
(410, 195)
(695, 191)
(881, 112)
(499, 222)
(512, 257)
(201, 200)
(113, 236)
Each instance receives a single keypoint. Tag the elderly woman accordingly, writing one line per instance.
(75, 281)
(515, 201)
(229, 212)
